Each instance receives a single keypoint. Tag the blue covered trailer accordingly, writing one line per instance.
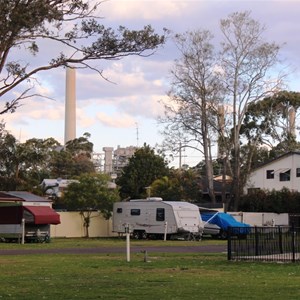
(224, 221)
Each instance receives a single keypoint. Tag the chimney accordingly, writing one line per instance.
(70, 105)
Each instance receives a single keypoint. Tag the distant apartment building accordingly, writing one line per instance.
(116, 160)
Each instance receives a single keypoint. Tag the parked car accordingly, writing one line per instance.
(224, 221)
(211, 229)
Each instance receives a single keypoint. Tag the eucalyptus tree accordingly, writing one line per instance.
(24, 165)
(71, 29)
(191, 112)
(241, 73)
(248, 63)
(273, 120)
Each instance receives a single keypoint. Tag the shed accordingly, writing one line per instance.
(26, 213)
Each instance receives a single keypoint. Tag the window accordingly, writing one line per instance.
(270, 174)
(119, 210)
(160, 214)
(285, 176)
(135, 212)
(298, 172)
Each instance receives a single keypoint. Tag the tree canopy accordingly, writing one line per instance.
(71, 29)
(178, 185)
(91, 193)
(143, 168)
(23, 166)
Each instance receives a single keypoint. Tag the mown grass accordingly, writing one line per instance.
(164, 276)
(103, 242)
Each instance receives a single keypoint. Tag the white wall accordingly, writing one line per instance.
(261, 218)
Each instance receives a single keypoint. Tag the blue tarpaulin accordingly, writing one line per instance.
(224, 221)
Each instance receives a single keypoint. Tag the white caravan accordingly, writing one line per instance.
(153, 217)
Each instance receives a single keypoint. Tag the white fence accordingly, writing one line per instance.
(261, 218)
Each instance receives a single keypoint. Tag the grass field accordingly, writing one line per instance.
(164, 276)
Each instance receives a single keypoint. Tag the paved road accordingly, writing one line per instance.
(133, 249)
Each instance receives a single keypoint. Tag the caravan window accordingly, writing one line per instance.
(119, 210)
(135, 212)
(160, 214)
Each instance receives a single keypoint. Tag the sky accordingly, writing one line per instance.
(124, 111)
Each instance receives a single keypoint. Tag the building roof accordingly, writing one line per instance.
(277, 158)
(21, 196)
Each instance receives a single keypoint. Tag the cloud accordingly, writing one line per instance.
(146, 9)
(116, 120)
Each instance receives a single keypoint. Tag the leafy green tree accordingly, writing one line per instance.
(80, 146)
(72, 32)
(74, 159)
(91, 193)
(178, 185)
(143, 168)
(23, 165)
(271, 122)
(169, 189)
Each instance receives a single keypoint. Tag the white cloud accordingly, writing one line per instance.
(142, 9)
(116, 120)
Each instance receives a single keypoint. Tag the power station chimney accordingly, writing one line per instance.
(70, 105)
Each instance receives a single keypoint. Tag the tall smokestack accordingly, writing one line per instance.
(70, 105)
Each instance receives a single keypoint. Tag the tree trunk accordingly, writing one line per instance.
(207, 155)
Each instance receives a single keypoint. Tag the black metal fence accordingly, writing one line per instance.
(280, 243)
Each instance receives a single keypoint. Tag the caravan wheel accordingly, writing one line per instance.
(139, 234)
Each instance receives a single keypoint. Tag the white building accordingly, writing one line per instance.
(116, 160)
(55, 187)
(282, 172)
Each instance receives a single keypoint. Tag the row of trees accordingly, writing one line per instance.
(224, 95)
(72, 31)
(24, 165)
(228, 96)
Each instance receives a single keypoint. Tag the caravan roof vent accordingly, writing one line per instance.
(154, 199)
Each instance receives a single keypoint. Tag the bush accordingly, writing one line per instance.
(283, 201)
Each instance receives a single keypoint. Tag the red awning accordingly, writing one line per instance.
(43, 214)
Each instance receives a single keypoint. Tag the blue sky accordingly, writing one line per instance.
(125, 112)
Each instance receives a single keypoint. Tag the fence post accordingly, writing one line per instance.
(293, 241)
(280, 240)
(229, 244)
(256, 241)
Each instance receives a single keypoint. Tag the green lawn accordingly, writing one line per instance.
(164, 276)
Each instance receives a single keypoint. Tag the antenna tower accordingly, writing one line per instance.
(137, 134)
